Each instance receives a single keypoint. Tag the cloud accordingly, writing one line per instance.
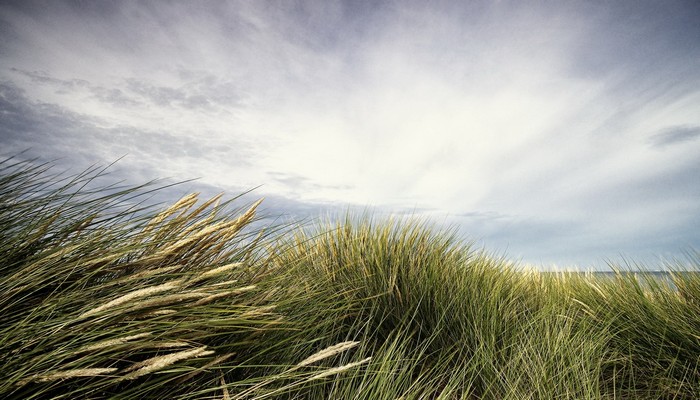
(675, 135)
(43, 78)
(114, 97)
(50, 133)
(26, 125)
(538, 127)
(199, 92)
(53, 131)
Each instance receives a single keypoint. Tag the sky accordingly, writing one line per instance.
(554, 133)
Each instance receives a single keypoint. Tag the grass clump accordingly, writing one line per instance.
(104, 296)
(107, 297)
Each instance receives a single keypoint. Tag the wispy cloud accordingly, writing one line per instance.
(538, 127)
(675, 135)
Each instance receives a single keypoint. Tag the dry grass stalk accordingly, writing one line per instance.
(189, 239)
(112, 342)
(105, 259)
(67, 374)
(216, 296)
(157, 363)
(162, 312)
(225, 283)
(198, 224)
(149, 272)
(232, 227)
(205, 205)
(203, 250)
(84, 224)
(258, 311)
(227, 396)
(185, 202)
(136, 294)
(337, 370)
(169, 299)
(55, 254)
(225, 228)
(243, 289)
(169, 345)
(41, 232)
(327, 352)
(217, 271)
(211, 298)
(217, 360)
(208, 230)
(220, 251)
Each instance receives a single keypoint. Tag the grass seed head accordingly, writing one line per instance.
(67, 374)
(136, 294)
(328, 352)
(216, 271)
(157, 363)
(337, 370)
(112, 342)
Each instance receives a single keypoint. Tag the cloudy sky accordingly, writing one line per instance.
(552, 132)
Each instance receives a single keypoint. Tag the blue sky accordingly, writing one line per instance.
(562, 132)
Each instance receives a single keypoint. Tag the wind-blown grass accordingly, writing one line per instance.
(104, 296)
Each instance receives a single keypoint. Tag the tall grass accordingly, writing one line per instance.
(105, 296)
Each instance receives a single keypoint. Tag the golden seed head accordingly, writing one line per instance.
(328, 352)
(157, 363)
(337, 370)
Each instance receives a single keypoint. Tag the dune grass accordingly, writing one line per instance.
(105, 296)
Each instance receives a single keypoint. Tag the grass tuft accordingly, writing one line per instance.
(108, 296)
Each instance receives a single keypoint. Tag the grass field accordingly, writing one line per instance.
(104, 296)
